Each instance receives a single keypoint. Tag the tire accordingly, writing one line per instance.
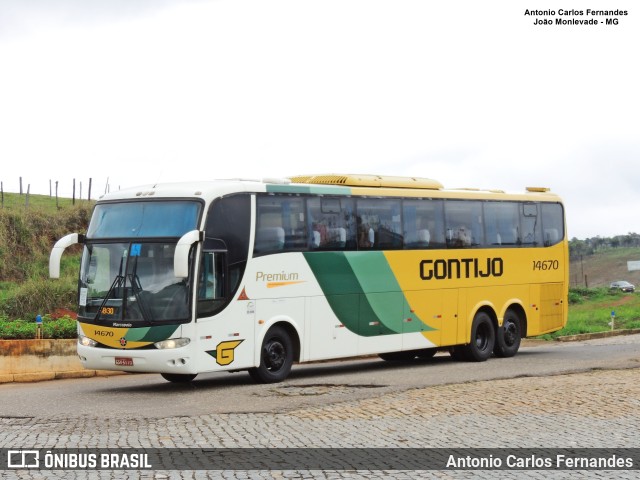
(178, 377)
(276, 357)
(483, 338)
(509, 336)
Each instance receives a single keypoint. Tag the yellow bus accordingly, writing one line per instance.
(182, 279)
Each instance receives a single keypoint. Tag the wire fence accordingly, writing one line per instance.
(53, 191)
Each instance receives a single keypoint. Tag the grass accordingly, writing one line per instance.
(590, 311)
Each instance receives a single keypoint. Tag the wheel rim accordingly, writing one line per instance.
(274, 355)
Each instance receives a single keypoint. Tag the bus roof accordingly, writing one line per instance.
(327, 184)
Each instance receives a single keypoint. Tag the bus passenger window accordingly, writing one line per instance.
(379, 224)
(464, 227)
(530, 225)
(331, 223)
(281, 224)
(552, 223)
(502, 223)
(423, 224)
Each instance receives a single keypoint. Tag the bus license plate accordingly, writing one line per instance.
(124, 362)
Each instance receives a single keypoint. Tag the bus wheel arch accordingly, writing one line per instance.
(279, 348)
(511, 333)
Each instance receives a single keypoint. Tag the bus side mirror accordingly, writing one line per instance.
(181, 256)
(57, 251)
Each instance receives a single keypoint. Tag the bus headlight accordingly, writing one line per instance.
(86, 341)
(172, 343)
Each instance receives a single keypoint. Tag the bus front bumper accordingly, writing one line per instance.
(178, 360)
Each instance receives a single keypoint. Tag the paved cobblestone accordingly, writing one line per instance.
(595, 409)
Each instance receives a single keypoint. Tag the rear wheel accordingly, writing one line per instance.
(178, 377)
(483, 338)
(509, 335)
(276, 357)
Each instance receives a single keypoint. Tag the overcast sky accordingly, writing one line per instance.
(470, 93)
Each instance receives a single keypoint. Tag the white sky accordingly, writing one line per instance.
(468, 92)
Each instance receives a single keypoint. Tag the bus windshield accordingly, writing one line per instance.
(131, 283)
(143, 219)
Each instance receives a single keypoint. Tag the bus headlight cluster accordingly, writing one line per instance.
(86, 341)
(172, 343)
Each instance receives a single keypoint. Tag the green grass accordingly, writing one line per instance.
(590, 311)
(41, 203)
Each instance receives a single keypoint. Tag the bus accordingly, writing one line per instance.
(256, 275)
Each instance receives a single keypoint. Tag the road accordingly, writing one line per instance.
(309, 384)
(573, 395)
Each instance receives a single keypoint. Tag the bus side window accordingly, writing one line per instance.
(464, 228)
(211, 283)
(501, 223)
(379, 224)
(281, 224)
(530, 224)
(423, 224)
(331, 223)
(552, 223)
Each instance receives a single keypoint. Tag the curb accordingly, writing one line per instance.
(592, 336)
(44, 376)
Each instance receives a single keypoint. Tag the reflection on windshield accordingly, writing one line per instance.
(131, 282)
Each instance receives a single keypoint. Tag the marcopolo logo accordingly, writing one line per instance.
(447, 269)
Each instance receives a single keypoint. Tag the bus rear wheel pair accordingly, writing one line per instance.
(485, 340)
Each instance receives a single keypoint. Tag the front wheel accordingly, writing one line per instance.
(509, 335)
(276, 357)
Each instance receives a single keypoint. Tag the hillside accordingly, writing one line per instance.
(602, 268)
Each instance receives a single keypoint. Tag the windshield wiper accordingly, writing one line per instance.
(117, 282)
(136, 288)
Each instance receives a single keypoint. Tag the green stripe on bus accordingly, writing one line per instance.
(150, 334)
(363, 292)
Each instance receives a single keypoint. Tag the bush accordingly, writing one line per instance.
(63, 327)
(39, 296)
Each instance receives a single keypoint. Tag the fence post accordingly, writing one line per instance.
(89, 194)
(73, 199)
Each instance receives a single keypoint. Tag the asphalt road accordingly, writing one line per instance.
(150, 396)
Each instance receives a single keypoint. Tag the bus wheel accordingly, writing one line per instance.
(178, 377)
(483, 338)
(509, 335)
(276, 357)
